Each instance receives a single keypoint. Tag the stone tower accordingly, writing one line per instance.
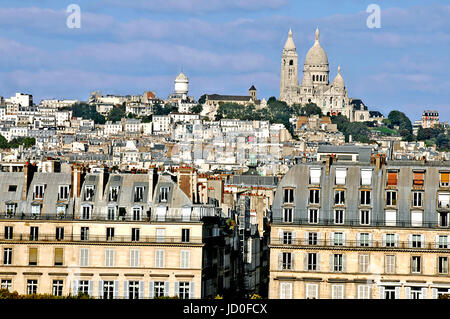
(289, 70)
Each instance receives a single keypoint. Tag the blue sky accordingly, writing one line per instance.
(225, 46)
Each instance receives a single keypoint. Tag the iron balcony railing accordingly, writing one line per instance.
(100, 238)
(330, 243)
(357, 223)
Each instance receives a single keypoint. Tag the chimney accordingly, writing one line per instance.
(28, 172)
(152, 180)
(103, 176)
(328, 162)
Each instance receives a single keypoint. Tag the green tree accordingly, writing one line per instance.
(197, 109)
(311, 109)
(202, 99)
(87, 112)
(400, 119)
(116, 113)
(3, 142)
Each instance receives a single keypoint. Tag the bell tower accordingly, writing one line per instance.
(289, 71)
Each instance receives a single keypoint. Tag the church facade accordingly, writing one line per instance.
(331, 97)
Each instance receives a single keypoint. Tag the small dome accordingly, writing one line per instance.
(181, 78)
(339, 80)
(289, 45)
(316, 55)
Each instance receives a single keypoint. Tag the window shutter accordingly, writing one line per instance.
(294, 233)
(166, 288)
(280, 261)
(116, 289)
(370, 239)
(75, 288)
(91, 288)
(434, 293)
(293, 260)
(331, 238)
(125, 289)
(409, 240)
(319, 235)
(397, 292)
(305, 261)
(343, 239)
(331, 263)
(151, 290)
(408, 292)
(191, 290)
(344, 263)
(141, 289)
(358, 239)
(436, 241)
(383, 240)
(306, 238)
(280, 235)
(100, 289)
(381, 292)
(424, 293)
(176, 289)
(397, 241)
(422, 237)
(318, 261)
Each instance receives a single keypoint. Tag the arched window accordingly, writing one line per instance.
(314, 77)
(320, 78)
(291, 62)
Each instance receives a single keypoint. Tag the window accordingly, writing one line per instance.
(366, 177)
(339, 197)
(109, 257)
(444, 179)
(312, 291)
(109, 233)
(133, 289)
(392, 178)
(57, 287)
(287, 261)
(134, 257)
(314, 176)
(59, 233)
(34, 233)
(38, 191)
(7, 256)
(312, 238)
(338, 239)
(63, 192)
(416, 241)
(111, 213)
(391, 218)
(135, 234)
(312, 261)
(84, 257)
(163, 194)
(339, 216)
(288, 195)
(6, 284)
(364, 239)
(443, 219)
(341, 174)
(415, 293)
(60, 211)
(390, 240)
(159, 288)
(159, 258)
(391, 198)
(185, 235)
(185, 256)
(113, 193)
(314, 196)
(443, 200)
(83, 287)
(365, 197)
(285, 290)
(390, 292)
(416, 264)
(417, 199)
(10, 210)
(363, 263)
(137, 213)
(160, 235)
(389, 264)
(418, 178)
(59, 256)
(442, 265)
(183, 290)
(363, 292)
(364, 217)
(108, 289)
(287, 237)
(86, 212)
(89, 192)
(287, 215)
(35, 211)
(139, 193)
(442, 241)
(338, 263)
(337, 291)
(84, 234)
(32, 286)
(416, 218)
(12, 188)
(313, 216)
(8, 232)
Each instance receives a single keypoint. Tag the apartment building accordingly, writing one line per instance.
(361, 230)
(109, 236)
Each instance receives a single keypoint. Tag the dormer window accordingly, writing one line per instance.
(139, 193)
(418, 178)
(10, 210)
(113, 193)
(86, 212)
(163, 194)
(35, 211)
(288, 196)
(392, 178)
(444, 179)
(366, 177)
(89, 192)
(38, 191)
(60, 211)
(341, 174)
(314, 176)
(63, 192)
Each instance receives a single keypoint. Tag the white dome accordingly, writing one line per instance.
(339, 80)
(316, 55)
(181, 84)
(289, 45)
(181, 78)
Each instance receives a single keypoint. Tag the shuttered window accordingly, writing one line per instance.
(185, 256)
(84, 257)
(341, 174)
(159, 258)
(285, 290)
(33, 254)
(418, 178)
(389, 264)
(337, 291)
(314, 176)
(366, 177)
(134, 257)
(445, 179)
(392, 179)
(312, 291)
(59, 256)
(363, 292)
(109, 257)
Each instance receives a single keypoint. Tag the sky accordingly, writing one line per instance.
(225, 46)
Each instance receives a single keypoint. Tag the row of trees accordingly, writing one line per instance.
(27, 142)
